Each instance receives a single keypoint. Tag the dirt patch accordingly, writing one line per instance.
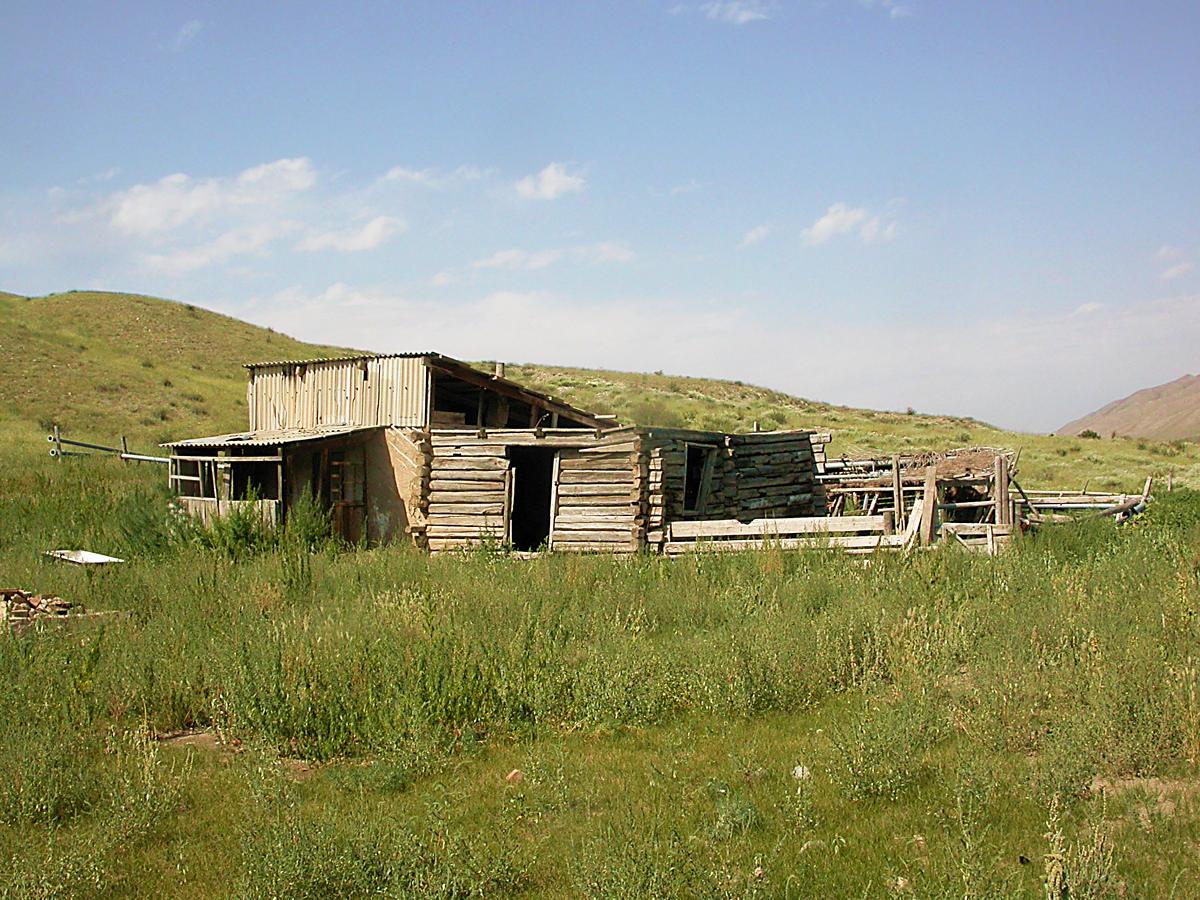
(201, 739)
(1169, 793)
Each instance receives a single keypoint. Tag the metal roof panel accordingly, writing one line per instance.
(271, 438)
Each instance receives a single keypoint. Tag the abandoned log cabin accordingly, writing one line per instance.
(427, 448)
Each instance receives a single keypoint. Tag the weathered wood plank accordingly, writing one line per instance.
(928, 506)
(457, 498)
(624, 490)
(861, 542)
(615, 477)
(493, 485)
(589, 536)
(477, 463)
(784, 527)
(468, 475)
(450, 452)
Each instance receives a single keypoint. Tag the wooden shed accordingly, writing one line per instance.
(429, 448)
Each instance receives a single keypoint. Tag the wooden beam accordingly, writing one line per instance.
(929, 506)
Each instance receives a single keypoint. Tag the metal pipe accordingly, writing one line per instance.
(62, 440)
(142, 458)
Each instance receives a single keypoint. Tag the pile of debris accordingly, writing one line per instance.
(22, 609)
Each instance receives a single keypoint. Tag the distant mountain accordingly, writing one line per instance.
(1167, 412)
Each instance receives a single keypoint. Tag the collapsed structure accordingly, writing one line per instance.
(423, 447)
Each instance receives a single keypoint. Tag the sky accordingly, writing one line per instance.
(983, 209)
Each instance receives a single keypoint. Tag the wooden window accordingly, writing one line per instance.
(699, 460)
(345, 478)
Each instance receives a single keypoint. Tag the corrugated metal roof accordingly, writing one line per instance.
(350, 358)
(271, 438)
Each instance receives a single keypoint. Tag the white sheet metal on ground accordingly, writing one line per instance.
(83, 557)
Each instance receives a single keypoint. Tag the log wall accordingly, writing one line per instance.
(616, 491)
(753, 476)
(597, 499)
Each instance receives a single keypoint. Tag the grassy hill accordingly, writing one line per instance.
(103, 365)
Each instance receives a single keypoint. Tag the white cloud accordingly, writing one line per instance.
(444, 279)
(1176, 271)
(755, 235)
(426, 177)
(842, 219)
(550, 183)
(1166, 252)
(434, 178)
(186, 34)
(368, 237)
(236, 242)
(518, 259)
(148, 209)
(735, 12)
(1086, 309)
(524, 260)
(605, 252)
(689, 188)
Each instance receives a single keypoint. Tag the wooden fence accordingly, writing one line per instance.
(852, 534)
(207, 509)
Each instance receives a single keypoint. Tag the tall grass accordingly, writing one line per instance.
(1071, 657)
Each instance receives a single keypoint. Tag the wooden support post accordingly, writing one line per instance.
(57, 444)
(124, 448)
(897, 489)
(1146, 489)
(1170, 480)
(1000, 492)
(889, 522)
(929, 506)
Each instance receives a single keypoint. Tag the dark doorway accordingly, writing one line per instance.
(533, 494)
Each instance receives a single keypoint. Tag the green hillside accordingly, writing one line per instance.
(103, 365)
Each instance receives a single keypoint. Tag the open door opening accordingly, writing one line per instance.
(533, 495)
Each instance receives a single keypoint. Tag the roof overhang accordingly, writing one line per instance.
(274, 438)
(465, 372)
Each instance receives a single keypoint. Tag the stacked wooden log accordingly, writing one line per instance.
(776, 475)
(599, 497)
(467, 492)
(819, 440)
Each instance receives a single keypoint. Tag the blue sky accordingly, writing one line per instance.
(989, 209)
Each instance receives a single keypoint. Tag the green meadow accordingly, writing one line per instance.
(793, 724)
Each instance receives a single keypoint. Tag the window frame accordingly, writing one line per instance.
(706, 473)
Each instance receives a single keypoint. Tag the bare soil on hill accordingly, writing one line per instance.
(1167, 412)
